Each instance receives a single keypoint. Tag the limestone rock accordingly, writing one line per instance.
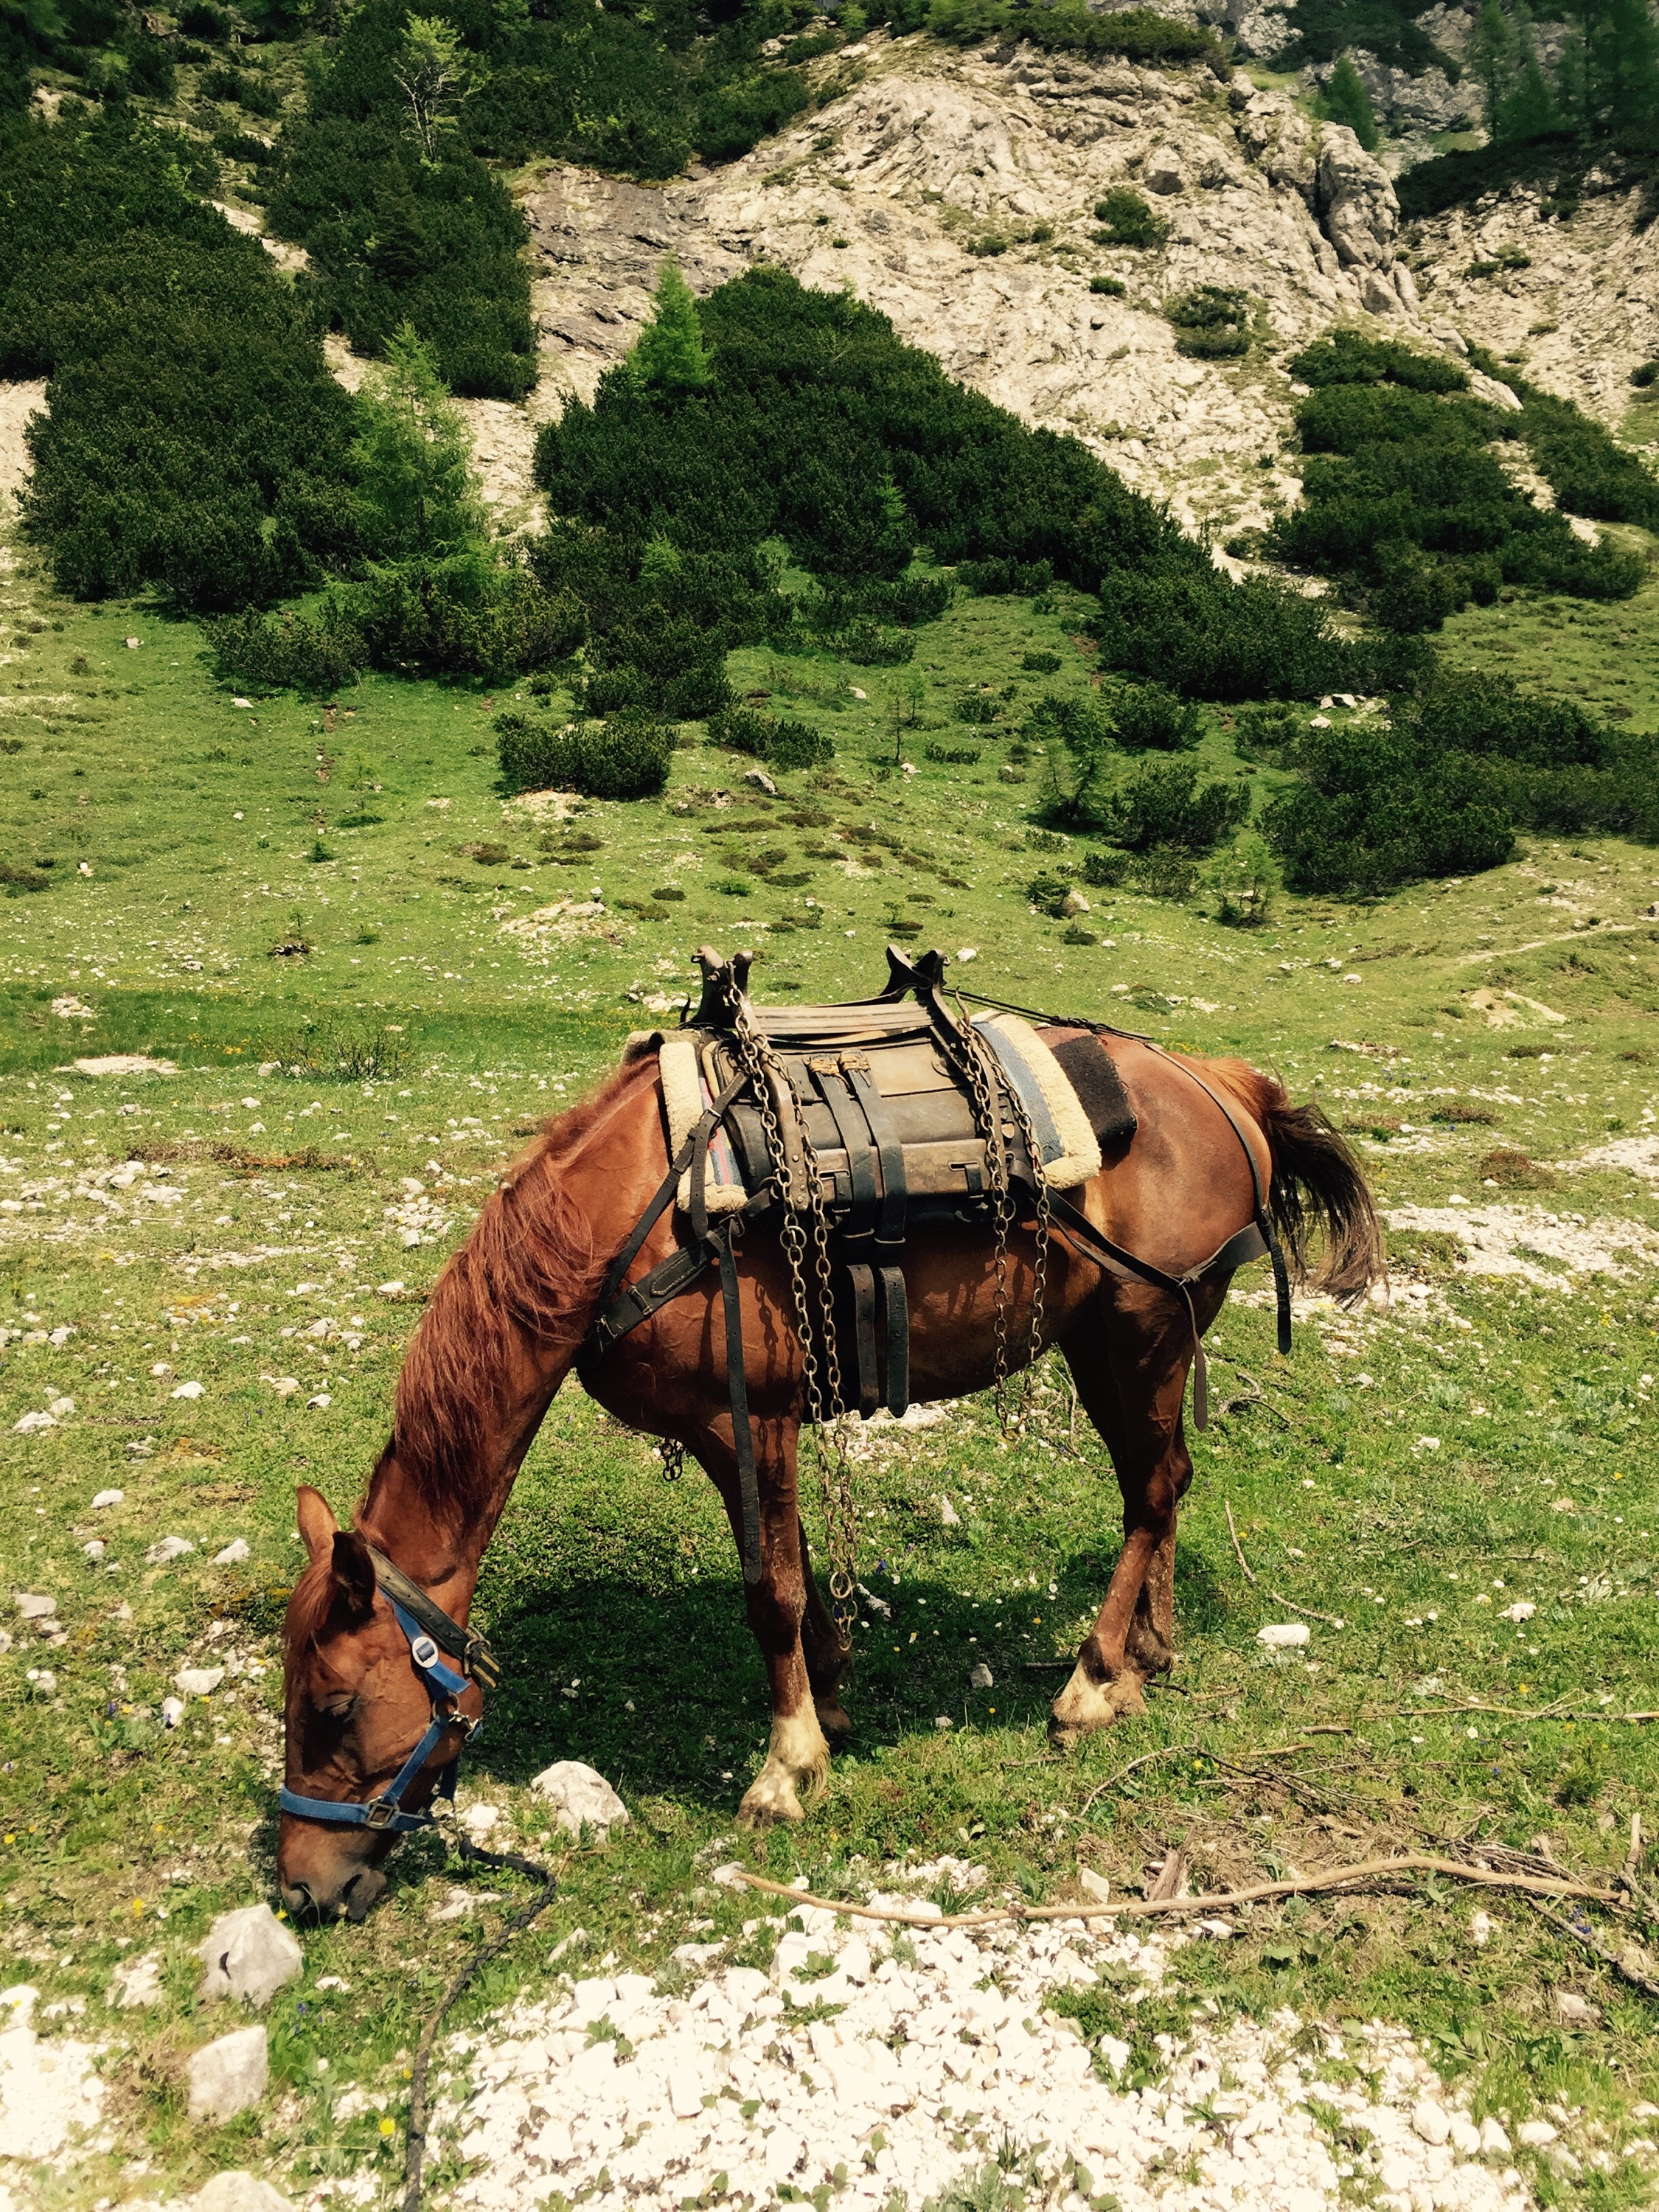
(137, 1983)
(237, 2191)
(979, 1676)
(1283, 1636)
(33, 1608)
(1162, 171)
(198, 1681)
(249, 1954)
(1356, 201)
(227, 2077)
(580, 1797)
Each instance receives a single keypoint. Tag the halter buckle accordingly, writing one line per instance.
(379, 1813)
(423, 1651)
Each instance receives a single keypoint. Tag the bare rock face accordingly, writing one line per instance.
(227, 2077)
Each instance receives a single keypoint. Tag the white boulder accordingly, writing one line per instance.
(1284, 1635)
(227, 2077)
(249, 1954)
(580, 1797)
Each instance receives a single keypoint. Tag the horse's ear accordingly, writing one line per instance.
(315, 1519)
(354, 1573)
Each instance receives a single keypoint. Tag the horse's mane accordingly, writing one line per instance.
(529, 1271)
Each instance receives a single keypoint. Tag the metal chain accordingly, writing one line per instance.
(673, 1458)
(988, 1114)
(1040, 1261)
(822, 1394)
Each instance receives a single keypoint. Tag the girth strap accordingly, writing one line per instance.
(861, 1276)
(836, 1088)
(896, 1322)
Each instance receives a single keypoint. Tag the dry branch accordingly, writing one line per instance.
(1238, 1549)
(1369, 1873)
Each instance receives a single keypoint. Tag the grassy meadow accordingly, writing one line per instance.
(339, 890)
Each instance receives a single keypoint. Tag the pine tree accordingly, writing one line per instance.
(1347, 101)
(670, 353)
(417, 497)
(1529, 108)
(1492, 53)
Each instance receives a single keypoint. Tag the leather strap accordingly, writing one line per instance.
(836, 1089)
(889, 1152)
(743, 1439)
(861, 1276)
(896, 1320)
(478, 1660)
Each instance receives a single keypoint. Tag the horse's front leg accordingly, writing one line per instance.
(777, 1605)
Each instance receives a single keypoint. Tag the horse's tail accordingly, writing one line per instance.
(1317, 1187)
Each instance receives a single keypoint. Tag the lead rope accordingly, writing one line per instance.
(820, 1379)
(472, 1859)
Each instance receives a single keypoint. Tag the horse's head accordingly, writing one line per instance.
(358, 1704)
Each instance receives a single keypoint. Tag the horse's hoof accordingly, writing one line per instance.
(835, 1722)
(1084, 1705)
(770, 1798)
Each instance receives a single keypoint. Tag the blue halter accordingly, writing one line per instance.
(387, 1811)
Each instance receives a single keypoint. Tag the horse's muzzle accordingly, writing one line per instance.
(313, 1897)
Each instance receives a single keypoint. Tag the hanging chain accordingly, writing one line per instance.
(673, 1452)
(1040, 1261)
(820, 1382)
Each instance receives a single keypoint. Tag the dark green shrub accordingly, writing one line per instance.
(1265, 733)
(977, 707)
(1165, 804)
(1048, 892)
(1138, 33)
(291, 651)
(1379, 807)
(1113, 287)
(1150, 718)
(1039, 663)
(780, 743)
(1164, 871)
(1211, 323)
(1126, 218)
(195, 442)
(1345, 101)
(626, 756)
(1104, 869)
(201, 19)
(951, 756)
(1646, 375)
(1348, 356)
(471, 617)
(868, 646)
(1210, 638)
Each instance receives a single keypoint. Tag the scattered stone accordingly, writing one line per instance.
(391, 1290)
(135, 1983)
(948, 1514)
(979, 1676)
(32, 1424)
(968, 952)
(107, 1497)
(169, 1549)
(44, 1680)
(1431, 2120)
(189, 1390)
(234, 1553)
(1482, 1928)
(1518, 1613)
(95, 1550)
(1284, 1635)
(172, 1711)
(249, 1954)
(1094, 1885)
(124, 1063)
(943, 1723)
(1576, 2010)
(198, 1681)
(1163, 173)
(479, 1819)
(581, 1797)
(1535, 2135)
(760, 778)
(320, 1403)
(238, 2192)
(1494, 2139)
(227, 2077)
(33, 1608)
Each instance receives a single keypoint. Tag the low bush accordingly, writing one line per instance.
(1039, 663)
(1211, 323)
(951, 756)
(1150, 718)
(996, 579)
(1380, 807)
(1645, 376)
(291, 651)
(1126, 218)
(626, 756)
(1104, 868)
(1208, 638)
(977, 708)
(1113, 287)
(781, 743)
(1166, 805)
(1137, 33)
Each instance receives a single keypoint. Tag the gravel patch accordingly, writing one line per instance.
(926, 2058)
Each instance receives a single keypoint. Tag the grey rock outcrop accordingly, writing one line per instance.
(1356, 202)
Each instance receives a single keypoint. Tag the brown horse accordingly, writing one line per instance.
(511, 1308)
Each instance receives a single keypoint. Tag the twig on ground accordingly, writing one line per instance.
(1165, 1751)
(1630, 1965)
(1238, 1549)
(1632, 1865)
(1368, 1872)
(1330, 1620)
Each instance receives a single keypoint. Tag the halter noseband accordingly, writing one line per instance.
(425, 1625)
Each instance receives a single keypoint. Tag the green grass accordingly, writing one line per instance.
(121, 1836)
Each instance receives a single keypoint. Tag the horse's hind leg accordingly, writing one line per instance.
(776, 1604)
(1138, 1418)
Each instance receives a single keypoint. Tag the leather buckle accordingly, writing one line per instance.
(379, 1813)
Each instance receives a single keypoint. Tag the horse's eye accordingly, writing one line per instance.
(338, 1710)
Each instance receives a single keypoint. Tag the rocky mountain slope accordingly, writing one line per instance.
(898, 186)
